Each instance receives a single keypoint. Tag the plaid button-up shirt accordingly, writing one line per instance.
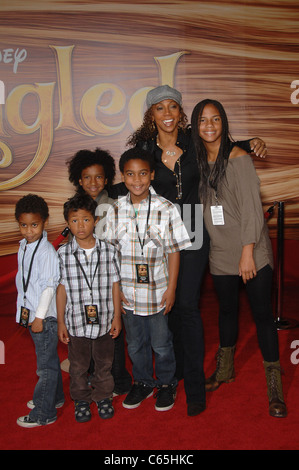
(165, 234)
(77, 289)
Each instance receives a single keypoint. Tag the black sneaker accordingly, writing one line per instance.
(82, 411)
(136, 395)
(165, 397)
(105, 408)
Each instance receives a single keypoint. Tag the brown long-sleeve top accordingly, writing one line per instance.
(244, 221)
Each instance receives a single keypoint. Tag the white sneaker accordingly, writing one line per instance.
(27, 422)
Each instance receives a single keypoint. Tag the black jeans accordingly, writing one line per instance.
(259, 296)
(185, 323)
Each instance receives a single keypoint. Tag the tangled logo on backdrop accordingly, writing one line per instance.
(88, 121)
(295, 94)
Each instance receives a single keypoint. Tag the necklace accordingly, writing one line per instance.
(179, 181)
(179, 175)
(169, 153)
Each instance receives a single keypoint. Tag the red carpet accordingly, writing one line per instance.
(236, 416)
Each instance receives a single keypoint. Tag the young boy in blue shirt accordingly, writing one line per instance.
(37, 279)
(148, 231)
(88, 308)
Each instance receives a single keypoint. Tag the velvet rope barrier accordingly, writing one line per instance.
(60, 238)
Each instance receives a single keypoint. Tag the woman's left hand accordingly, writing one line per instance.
(247, 267)
(258, 147)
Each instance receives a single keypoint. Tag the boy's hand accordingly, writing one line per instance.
(116, 327)
(63, 333)
(168, 300)
(37, 325)
(123, 300)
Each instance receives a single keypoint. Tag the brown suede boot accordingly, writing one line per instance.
(224, 369)
(277, 407)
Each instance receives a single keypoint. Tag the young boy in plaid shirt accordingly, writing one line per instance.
(88, 308)
(149, 234)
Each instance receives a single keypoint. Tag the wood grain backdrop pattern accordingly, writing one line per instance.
(245, 54)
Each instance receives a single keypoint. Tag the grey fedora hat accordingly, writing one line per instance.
(163, 92)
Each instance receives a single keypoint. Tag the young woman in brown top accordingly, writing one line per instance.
(239, 245)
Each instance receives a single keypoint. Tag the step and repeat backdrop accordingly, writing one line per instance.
(75, 75)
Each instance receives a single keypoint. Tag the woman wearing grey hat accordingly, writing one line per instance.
(164, 132)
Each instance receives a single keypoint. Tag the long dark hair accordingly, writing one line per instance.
(210, 178)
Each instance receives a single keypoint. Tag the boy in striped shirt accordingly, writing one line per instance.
(148, 232)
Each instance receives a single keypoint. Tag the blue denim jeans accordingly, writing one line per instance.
(145, 334)
(49, 389)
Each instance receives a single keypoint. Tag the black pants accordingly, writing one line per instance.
(259, 296)
(185, 322)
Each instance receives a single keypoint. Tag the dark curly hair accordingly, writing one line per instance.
(80, 201)
(136, 154)
(148, 129)
(32, 204)
(85, 158)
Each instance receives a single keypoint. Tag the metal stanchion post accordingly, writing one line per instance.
(281, 323)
